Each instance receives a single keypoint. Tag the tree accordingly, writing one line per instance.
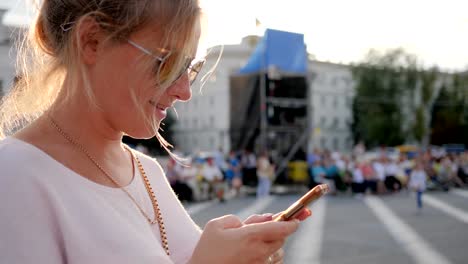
(450, 113)
(377, 119)
(428, 90)
(394, 99)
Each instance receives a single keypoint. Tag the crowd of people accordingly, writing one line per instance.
(381, 172)
(209, 176)
(358, 173)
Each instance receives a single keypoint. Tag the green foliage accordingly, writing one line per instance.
(380, 82)
(419, 124)
(450, 113)
(392, 90)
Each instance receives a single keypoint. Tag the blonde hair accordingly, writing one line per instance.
(48, 51)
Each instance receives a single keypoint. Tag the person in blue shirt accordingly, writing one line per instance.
(318, 174)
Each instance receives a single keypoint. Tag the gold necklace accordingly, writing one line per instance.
(149, 189)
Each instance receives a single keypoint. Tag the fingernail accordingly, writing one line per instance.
(267, 215)
(296, 221)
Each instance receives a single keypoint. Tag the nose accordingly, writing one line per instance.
(180, 89)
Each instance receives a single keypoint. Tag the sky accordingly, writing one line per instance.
(342, 31)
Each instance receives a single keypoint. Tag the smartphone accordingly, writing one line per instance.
(293, 210)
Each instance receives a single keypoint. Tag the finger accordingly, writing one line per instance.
(258, 219)
(304, 214)
(225, 222)
(278, 256)
(271, 231)
(274, 247)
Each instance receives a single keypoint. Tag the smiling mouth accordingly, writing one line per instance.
(159, 106)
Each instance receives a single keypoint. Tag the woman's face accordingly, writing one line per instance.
(120, 71)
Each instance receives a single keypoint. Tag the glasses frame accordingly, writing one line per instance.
(189, 69)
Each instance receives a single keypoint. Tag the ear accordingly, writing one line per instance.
(90, 40)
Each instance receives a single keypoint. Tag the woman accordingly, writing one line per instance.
(265, 171)
(70, 191)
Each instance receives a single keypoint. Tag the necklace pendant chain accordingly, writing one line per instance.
(157, 212)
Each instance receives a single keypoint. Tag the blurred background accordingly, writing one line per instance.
(370, 97)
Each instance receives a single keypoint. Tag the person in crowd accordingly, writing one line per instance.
(70, 190)
(463, 167)
(331, 175)
(317, 174)
(249, 168)
(370, 177)
(265, 173)
(379, 170)
(447, 173)
(358, 187)
(391, 171)
(174, 174)
(213, 175)
(188, 176)
(417, 182)
(220, 161)
(233, 173)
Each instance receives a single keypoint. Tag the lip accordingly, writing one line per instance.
(160, 110)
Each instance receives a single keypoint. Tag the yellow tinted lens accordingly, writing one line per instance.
(166, 67)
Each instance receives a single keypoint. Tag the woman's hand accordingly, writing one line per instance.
(278, 256)
(228, 240)
(256, 240)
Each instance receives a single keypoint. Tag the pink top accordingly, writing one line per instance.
(50, 214)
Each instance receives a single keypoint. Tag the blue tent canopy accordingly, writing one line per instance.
(285, 51)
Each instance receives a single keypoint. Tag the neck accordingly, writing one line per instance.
(85, 124)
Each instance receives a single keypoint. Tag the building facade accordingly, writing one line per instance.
(332, 92)
(203, 122)
(7, 54)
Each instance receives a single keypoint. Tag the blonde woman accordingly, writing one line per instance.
(70, 191)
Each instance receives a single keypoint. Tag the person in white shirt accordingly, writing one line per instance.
(417, 182)
(357, 184)
(265, 171)
(391, 171)
(214, 176)
(380, 175)
(70, 190)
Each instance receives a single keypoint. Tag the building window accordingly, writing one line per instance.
(335, 122)
(212, 101)
(334, 81)
(324, 100)
(335, 143)
(349, 143)
(212, 142)
(323, 121)
(212, 121)
(349, 101)
(323, 143)
(195, 123)
(335, 102)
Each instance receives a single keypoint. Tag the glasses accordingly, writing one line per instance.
(166, 62)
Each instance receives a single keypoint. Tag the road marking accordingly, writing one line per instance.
(462, 193)
(446, 208)
(257, 207)
(307, 241)
(196, 208)
(411, 242)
